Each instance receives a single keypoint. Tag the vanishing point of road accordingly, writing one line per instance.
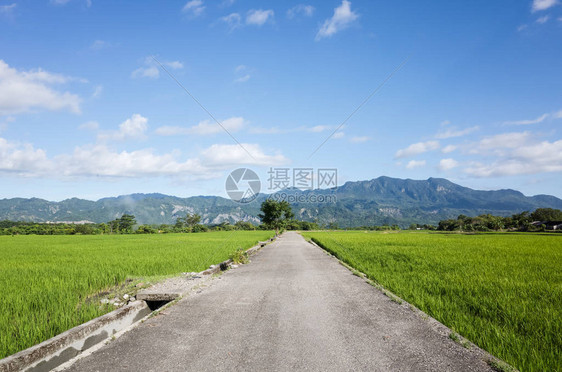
(292, 308)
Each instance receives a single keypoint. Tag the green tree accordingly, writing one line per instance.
(146, 229)
(332, 226)
(126, 223)
(113, 226)
(546, 214)
(192, 219)
(244, 225)
(275, 214)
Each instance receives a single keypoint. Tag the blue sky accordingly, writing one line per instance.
(86, 111)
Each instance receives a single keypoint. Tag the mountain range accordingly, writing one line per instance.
(379, 201)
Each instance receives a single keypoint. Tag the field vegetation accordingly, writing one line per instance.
(501, 291)
(47, 282)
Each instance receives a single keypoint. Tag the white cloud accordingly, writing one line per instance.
(449, 148)
(417, 148)
(22, 159)
(259, 17)
(415, 164)
(97, 91)
(448, 164)
(557, 115)
(242, 71)
(359, 139)
(452, 132)
(146, 72)
(543, 19)
(543, 4)
(540, 119)
(133, 128)
(534, 158)
(21, 91)
(90, 125)
(88, 3)
(338, 135)
(225, 156)
(515, 153)
(314, 129)
(522, 27)
(318, 128)
(242, 79)
(176, 65)
(99, 160)
(99, 44)
(151, 69)
(261, 130)
(233, 20)
(306, 10)
(169, 130)
(342, 18)
(501, 141)
(205, 127)
(194, 7)
(233, 124)
(7, 9)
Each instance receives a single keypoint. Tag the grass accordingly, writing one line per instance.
(503, 292)
(46, 282)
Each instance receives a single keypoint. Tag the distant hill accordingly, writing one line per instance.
(383, 200)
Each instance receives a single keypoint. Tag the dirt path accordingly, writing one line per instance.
(292, 308)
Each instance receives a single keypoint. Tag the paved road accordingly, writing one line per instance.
(292, 308)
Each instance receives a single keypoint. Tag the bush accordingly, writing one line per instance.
(239, 257)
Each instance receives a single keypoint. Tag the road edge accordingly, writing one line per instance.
(65, 348)
(495, 363)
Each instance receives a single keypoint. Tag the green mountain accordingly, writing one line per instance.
(383, 200)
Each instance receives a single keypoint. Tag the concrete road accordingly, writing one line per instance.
(292, 308)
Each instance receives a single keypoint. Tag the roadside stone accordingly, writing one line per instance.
(104, 301)
(126, 296)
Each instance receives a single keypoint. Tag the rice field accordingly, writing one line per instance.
(45, 281)
(501, 291)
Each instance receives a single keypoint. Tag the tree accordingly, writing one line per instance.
(126, 223)
(244, 225)
(546, 214)
(179, 224)
(146, 229)
(332, 226)
(113, 226)
(192, 219)
(275, 214)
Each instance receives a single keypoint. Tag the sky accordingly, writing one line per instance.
(106, 98)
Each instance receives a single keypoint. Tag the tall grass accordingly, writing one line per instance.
(45, 280)
(501, 291)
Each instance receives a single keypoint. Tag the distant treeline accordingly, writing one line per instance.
(542, 219)
(127, 224)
